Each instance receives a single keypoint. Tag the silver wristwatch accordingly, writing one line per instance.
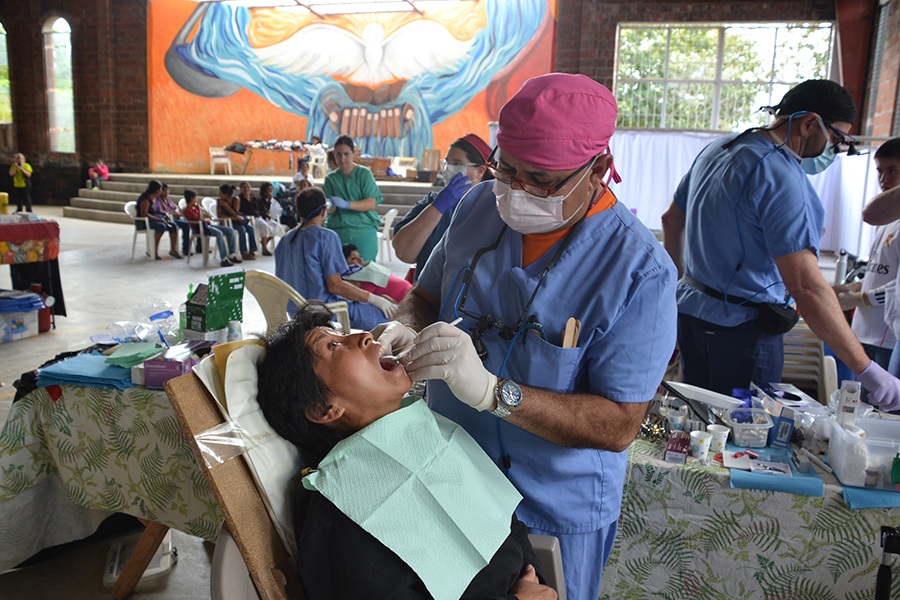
(508, 395)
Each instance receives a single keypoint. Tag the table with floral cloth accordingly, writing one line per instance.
(70, 456)
(684, 533)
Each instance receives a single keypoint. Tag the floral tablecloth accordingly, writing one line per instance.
(70, 456)
(684, 533)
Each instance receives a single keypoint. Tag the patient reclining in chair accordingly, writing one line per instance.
(408, 506)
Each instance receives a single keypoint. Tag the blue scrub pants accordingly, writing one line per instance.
(364, 315)
(720, 358)
(593, 549)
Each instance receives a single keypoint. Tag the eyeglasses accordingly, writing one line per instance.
(845, 139)
(532, 188)
(445, 163)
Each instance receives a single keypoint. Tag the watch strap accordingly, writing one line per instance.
(502, 410)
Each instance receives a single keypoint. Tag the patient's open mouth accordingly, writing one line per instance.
(389, 365)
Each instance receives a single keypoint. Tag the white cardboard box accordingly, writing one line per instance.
(17, 326)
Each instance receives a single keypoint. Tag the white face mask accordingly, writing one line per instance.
(450, 171)
(526, 213)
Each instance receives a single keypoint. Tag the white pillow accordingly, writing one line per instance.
(273, 461)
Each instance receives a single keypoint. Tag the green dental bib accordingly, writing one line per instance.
(425, 489)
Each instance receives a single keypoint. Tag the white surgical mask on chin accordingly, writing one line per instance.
(817, 164)
(527, 213)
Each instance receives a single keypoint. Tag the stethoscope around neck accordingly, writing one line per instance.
(525, 321)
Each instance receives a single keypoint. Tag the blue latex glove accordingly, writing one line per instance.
(452, 192)
(884, 388)
(339, 202)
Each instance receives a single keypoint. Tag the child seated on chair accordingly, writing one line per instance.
(322, 390)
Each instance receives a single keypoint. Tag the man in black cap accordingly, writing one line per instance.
(744, 230)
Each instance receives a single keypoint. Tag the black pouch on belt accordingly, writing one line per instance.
(772, 319)
(776, 318)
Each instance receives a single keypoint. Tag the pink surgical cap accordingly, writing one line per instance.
(558, 121)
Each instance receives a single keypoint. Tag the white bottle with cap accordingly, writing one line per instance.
(849, 403)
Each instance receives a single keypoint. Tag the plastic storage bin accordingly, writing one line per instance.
(865, 461)
(749, 426)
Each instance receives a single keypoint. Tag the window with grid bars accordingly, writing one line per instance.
(713, 76)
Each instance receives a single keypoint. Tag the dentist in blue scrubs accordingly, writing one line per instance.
(543, 243)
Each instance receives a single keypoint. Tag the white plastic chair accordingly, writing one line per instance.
(273, 295)
(219, 156)
(386, 235)
(805, 363)
(141, 225)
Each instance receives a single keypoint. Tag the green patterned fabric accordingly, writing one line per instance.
(106, 450)
(684, 533)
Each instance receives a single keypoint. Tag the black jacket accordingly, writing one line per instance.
(339, 560)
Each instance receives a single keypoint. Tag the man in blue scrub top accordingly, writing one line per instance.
(544, 243)
(744, 230)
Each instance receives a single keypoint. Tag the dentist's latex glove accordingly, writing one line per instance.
(452, 192)
(850, 300)
(382, 304)
(339, 202)
(884, 388)
(394, 337)
(443, 351)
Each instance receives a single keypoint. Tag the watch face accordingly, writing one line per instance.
(511, 393)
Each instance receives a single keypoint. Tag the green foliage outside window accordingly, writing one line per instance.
(713, 76)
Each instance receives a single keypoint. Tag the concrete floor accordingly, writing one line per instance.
(102, 284)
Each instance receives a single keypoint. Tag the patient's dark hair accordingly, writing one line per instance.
(890, 150)
(288, 385)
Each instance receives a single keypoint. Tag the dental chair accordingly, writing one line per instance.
(252, 559)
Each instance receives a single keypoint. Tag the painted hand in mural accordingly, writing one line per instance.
(383, 78)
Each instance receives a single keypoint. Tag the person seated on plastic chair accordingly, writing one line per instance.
(338, 386)
(310, 260)
(395, 288)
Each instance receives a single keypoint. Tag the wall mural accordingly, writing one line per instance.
(397, 83)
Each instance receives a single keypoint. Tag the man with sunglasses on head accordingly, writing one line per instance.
(744, 230)
(544, 245)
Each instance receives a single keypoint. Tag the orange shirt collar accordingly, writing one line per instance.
(535, 244)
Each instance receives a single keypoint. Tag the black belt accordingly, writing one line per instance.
(717, 294)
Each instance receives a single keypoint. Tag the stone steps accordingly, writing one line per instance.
(108, 202)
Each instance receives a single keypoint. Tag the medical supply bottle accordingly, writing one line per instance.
(840, 269)
(849, 403)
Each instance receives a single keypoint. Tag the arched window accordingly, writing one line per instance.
(5, 97)
(60, 99)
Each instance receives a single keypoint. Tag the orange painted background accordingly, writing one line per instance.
(183, 125)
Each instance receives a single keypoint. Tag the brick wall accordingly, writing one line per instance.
(109, 50)
(886, 97)
(586, 39)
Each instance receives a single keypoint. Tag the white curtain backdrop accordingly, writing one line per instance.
(652, 163)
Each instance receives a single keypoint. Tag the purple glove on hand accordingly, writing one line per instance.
(339, 202)
(452, 192)
(884, 388)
